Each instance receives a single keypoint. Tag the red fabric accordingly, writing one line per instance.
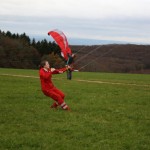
(48, 87)
(61, 40)
(55, 94)
(63, 69)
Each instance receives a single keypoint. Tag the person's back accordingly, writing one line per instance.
(70, 59)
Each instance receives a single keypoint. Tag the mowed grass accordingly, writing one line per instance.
(103, 116)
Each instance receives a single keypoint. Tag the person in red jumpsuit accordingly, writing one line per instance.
(48, 87)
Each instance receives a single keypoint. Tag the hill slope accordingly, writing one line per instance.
(113, 58)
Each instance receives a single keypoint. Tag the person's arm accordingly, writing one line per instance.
(58, 71)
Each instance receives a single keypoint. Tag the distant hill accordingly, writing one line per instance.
(89, 42)
(84, 41)
(127, 58)
(19, 51)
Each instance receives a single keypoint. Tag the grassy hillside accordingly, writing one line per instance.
(113, 58)
(111, 114)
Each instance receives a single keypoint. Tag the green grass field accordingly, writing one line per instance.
(104, 116)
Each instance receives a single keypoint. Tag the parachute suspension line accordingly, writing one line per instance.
(95, 59)
(80, 50)
(88, 54)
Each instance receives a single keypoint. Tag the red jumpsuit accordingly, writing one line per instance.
(48, 87)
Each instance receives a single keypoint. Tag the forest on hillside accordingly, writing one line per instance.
(19, 51)
(127, 58)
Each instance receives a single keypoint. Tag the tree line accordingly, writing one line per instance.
(19, 51)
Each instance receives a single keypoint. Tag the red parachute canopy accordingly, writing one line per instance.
(61, 40)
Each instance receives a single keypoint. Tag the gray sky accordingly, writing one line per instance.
(117, 20)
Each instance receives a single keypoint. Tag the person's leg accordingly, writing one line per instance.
(58, 96)
(62, 104)
(59, 92)
(69, 74)
(55, 104)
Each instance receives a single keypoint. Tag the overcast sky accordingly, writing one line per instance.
(117, 20)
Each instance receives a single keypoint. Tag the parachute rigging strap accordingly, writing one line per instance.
(88, 53)
(96, 58)
(80, 49)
